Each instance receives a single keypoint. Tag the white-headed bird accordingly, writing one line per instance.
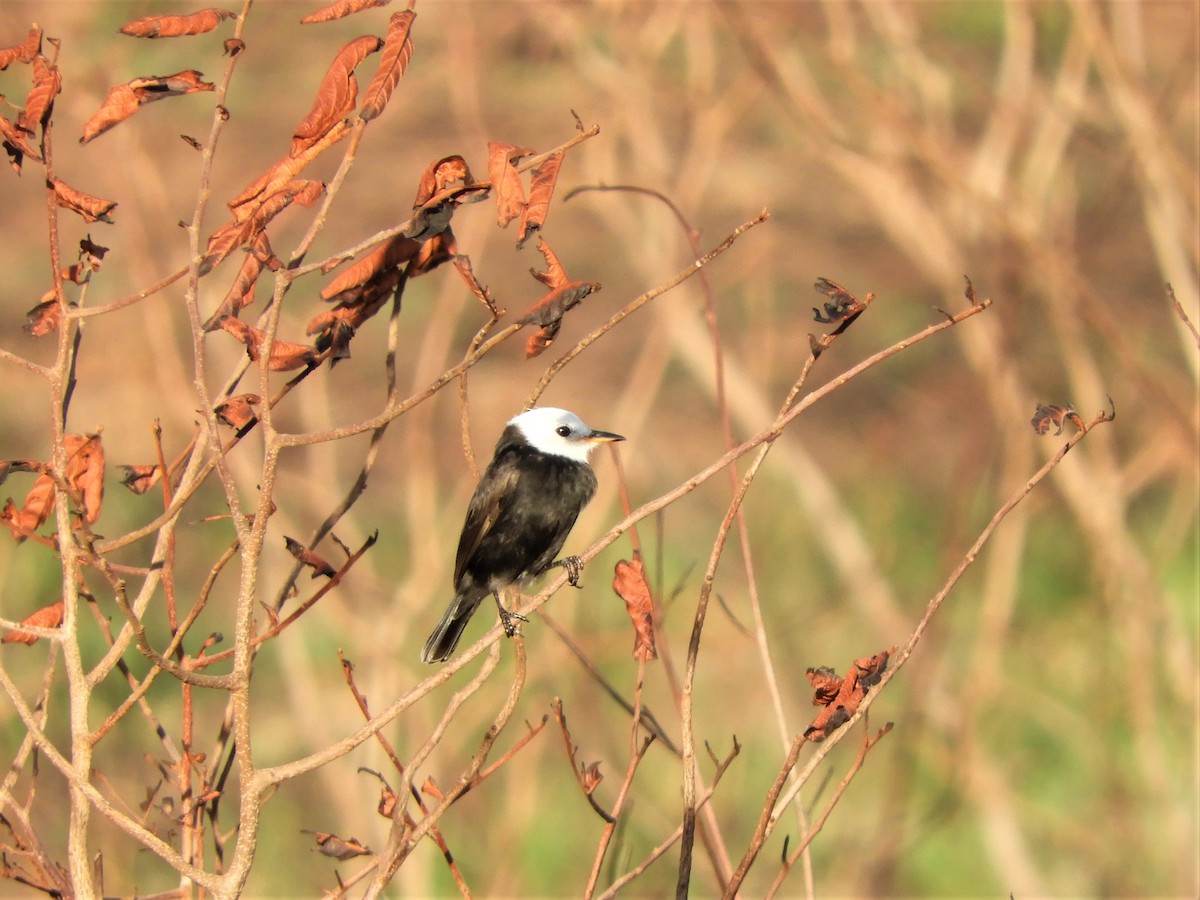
(520, 515)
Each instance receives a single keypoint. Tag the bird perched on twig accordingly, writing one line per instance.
(522, 510)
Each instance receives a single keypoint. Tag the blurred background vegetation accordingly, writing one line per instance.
(1046, 730)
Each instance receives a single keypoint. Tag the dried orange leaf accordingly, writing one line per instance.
(18, 139)
(309, 558)
(439, 176)
(506, 182)
(554, 305)
(541, 189)
(440, 248)
(336, 94)
(238, 411)
(241, 293)
(397, 51)
(629, 581)
(123, 100)
(93, 209)
(24, 51)
(32, 515)
(47, 617)
(1048, 414)
(140, 479)
(555, 275)
(85, 473)
(389, 255)
(284, 357)
(841, 696)
(45, 317)
(47, 82)
(177, 26)
(340, 9)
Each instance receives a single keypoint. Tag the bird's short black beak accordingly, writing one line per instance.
(604, 437)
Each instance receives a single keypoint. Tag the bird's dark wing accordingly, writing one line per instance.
(484, 510)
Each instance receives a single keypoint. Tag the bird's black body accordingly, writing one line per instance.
(523, 508)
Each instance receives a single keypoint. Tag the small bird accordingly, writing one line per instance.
(522, 510)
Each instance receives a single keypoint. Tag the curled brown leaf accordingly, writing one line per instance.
(47, 83)
(340, 9)
(397, 51)
(506, 181)
(177, 26)
(23, 52)
(631, 585)
(238, 411)
(47, 617)
(309, 558)
(541, 189)
(93, 209)
(140, 479)
(336, 95)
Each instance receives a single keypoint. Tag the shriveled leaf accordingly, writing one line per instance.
(841, 307)
(123, 100)
(389, 255)
(841, 696)
(47, 617)
(93, 209)
(285, 356)
(85, 472)
(17, 139)
(590, 777)
(539, 342)
(47, 82)
(506, 182)
(336, 94)
(462, 263)
(120, 103)
(241, 293)
(1048, 414)
(338, 848)
(554, 305)
(441, 248)
(541, 189)
(309, 558)
(177, 26)
(277, 178)
(340, 9)
(224, 241)
(631, 585)
(238, 411)
(555, 275)
(397, 51)
(439, 176)
(252, 218)
(45, 317)
(39, 503)
(140, 479)
(23, 52)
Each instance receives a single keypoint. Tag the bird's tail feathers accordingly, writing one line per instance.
(448, 632)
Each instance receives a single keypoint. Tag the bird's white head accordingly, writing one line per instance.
(560, 433)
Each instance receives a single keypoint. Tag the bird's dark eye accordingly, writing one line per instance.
(563, 430)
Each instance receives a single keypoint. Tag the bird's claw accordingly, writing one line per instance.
(574, 567)
(508, 621)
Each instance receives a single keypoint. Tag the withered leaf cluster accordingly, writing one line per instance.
(47, 314)
(509, 192)
(842, 696)
(18, 136)
(548, 312)
(84, 478)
